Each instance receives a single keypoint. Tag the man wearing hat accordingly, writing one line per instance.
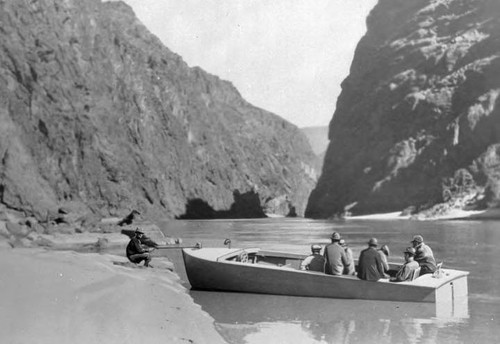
(335, 256)
(315, 262)
(370, 266)
(423, 255)
(406, 271)
(135, 252)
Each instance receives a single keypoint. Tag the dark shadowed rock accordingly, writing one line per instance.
(127, 220)
(418, 120)
(94, 109)
(246, 205)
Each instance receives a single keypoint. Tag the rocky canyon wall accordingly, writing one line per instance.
(417, 123)
(96, 112)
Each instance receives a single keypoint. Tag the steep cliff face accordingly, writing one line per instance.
(95, 111)
(418, 119)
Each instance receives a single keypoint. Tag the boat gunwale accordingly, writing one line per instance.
(459, 273)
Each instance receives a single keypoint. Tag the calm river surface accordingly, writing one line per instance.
(249, 318)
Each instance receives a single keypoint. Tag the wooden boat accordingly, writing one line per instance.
(253, 270)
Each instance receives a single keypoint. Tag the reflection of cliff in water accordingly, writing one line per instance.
(247, 318)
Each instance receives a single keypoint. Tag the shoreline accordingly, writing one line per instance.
(63, 290)
(63, 296)
(455, 214)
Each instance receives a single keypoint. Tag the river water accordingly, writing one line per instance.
(473, 246)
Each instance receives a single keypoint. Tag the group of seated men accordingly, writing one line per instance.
(337, 259)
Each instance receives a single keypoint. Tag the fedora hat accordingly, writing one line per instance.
(335, 236)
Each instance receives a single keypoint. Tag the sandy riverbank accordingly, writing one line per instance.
(68, 297)
(453, 214)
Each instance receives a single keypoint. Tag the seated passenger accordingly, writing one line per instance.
(335, 256)
(423, 255)
(405, 273)
(349, 268)
(370, 264)
(384, 253)
(315, 262)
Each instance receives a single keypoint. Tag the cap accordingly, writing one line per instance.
(342, 242)
(410, 251)
(418, 238)
(335, 236)
(315, 247)
(138, 231)
(373, 242)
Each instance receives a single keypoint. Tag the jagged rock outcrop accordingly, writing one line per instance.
(95, 112)
(418, 119)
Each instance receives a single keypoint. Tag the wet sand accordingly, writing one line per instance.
(68, 297)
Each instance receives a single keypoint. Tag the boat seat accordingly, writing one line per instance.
(415, 273)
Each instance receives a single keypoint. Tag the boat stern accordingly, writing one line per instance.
(453, 289)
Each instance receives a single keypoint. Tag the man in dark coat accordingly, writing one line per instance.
(423, 255)
(135, 252)
(370, 267)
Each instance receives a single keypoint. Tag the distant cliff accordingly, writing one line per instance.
(96, 112)
(317, 137)
(417, 124)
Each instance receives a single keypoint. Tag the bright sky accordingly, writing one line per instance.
(285, 56)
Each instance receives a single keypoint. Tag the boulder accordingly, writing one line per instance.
(17, 230)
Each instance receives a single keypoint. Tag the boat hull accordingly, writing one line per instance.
(207, 272)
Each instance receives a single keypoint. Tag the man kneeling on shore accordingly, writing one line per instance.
(136, 253)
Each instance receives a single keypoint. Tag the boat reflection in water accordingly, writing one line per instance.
(254, 318)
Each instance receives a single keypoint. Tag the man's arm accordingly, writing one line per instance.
(380, 266)
(305, 263)
(360, 264)
(345, 260)
(137, 245)
(385, 265)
